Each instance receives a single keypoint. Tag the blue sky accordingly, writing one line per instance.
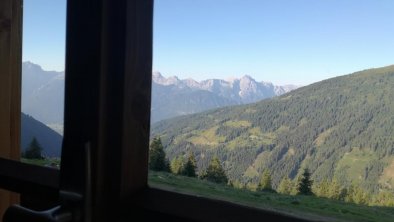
(44, 32)
(285, 42)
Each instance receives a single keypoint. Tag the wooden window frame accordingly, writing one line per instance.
(107, 125)
(10, 55)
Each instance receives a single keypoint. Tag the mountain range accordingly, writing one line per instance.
(174, 97)
(43, 100)
(43, 94)
(340, 129)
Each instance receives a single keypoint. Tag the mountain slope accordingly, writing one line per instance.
(339, 128)
(49, 140)
(42, 93)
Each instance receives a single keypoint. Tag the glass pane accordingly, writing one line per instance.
(44, 24)
(252, 103)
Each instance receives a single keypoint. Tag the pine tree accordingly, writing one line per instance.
(177, 165)
(265, 181)
(215, 172)
(157, 156)
(343, 194)
(34, 150)
(360, 196)
(322, 189)
(305, 185)
(335, 190)
(350, 194)
(296, 184)
(189, 168)
(357, 195)
(285, 186)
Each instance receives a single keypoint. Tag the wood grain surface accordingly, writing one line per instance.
(10, 87)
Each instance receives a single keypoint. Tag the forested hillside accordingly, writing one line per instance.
(49, 140)
(341, 128)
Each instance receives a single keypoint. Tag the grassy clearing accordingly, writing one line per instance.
(310, 207)
(322, 137)
(303, 121)
(253, 137)
(261, 159)
(355, 162)
(238, 124)
(268, 138)
(282, 129)
(255, 131)
(251, 172)
(207, 137)
(240, 141)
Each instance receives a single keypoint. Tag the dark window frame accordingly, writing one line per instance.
(107, 124)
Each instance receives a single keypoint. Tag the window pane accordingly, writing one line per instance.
(251, 103)
(43, 81)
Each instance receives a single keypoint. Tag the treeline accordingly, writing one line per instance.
(325, 189)
(301, 185)
(158, 162)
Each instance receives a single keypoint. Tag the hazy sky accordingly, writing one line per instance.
(292, 41)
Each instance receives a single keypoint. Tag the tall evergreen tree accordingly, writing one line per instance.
(215, 172)
(296, 184)
(177, 165)
(34, 150)
(265, 181)
(305, 185)
(335, 190)
(357, 195)
(360, 196)
(323, 189)
(350, 194)
(157, 156)
(285, 186)
(190, 167)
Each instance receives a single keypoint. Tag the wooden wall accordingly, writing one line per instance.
(10, 87)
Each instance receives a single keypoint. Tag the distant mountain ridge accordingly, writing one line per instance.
(173, 97)
(243, 90)
(43, 94)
